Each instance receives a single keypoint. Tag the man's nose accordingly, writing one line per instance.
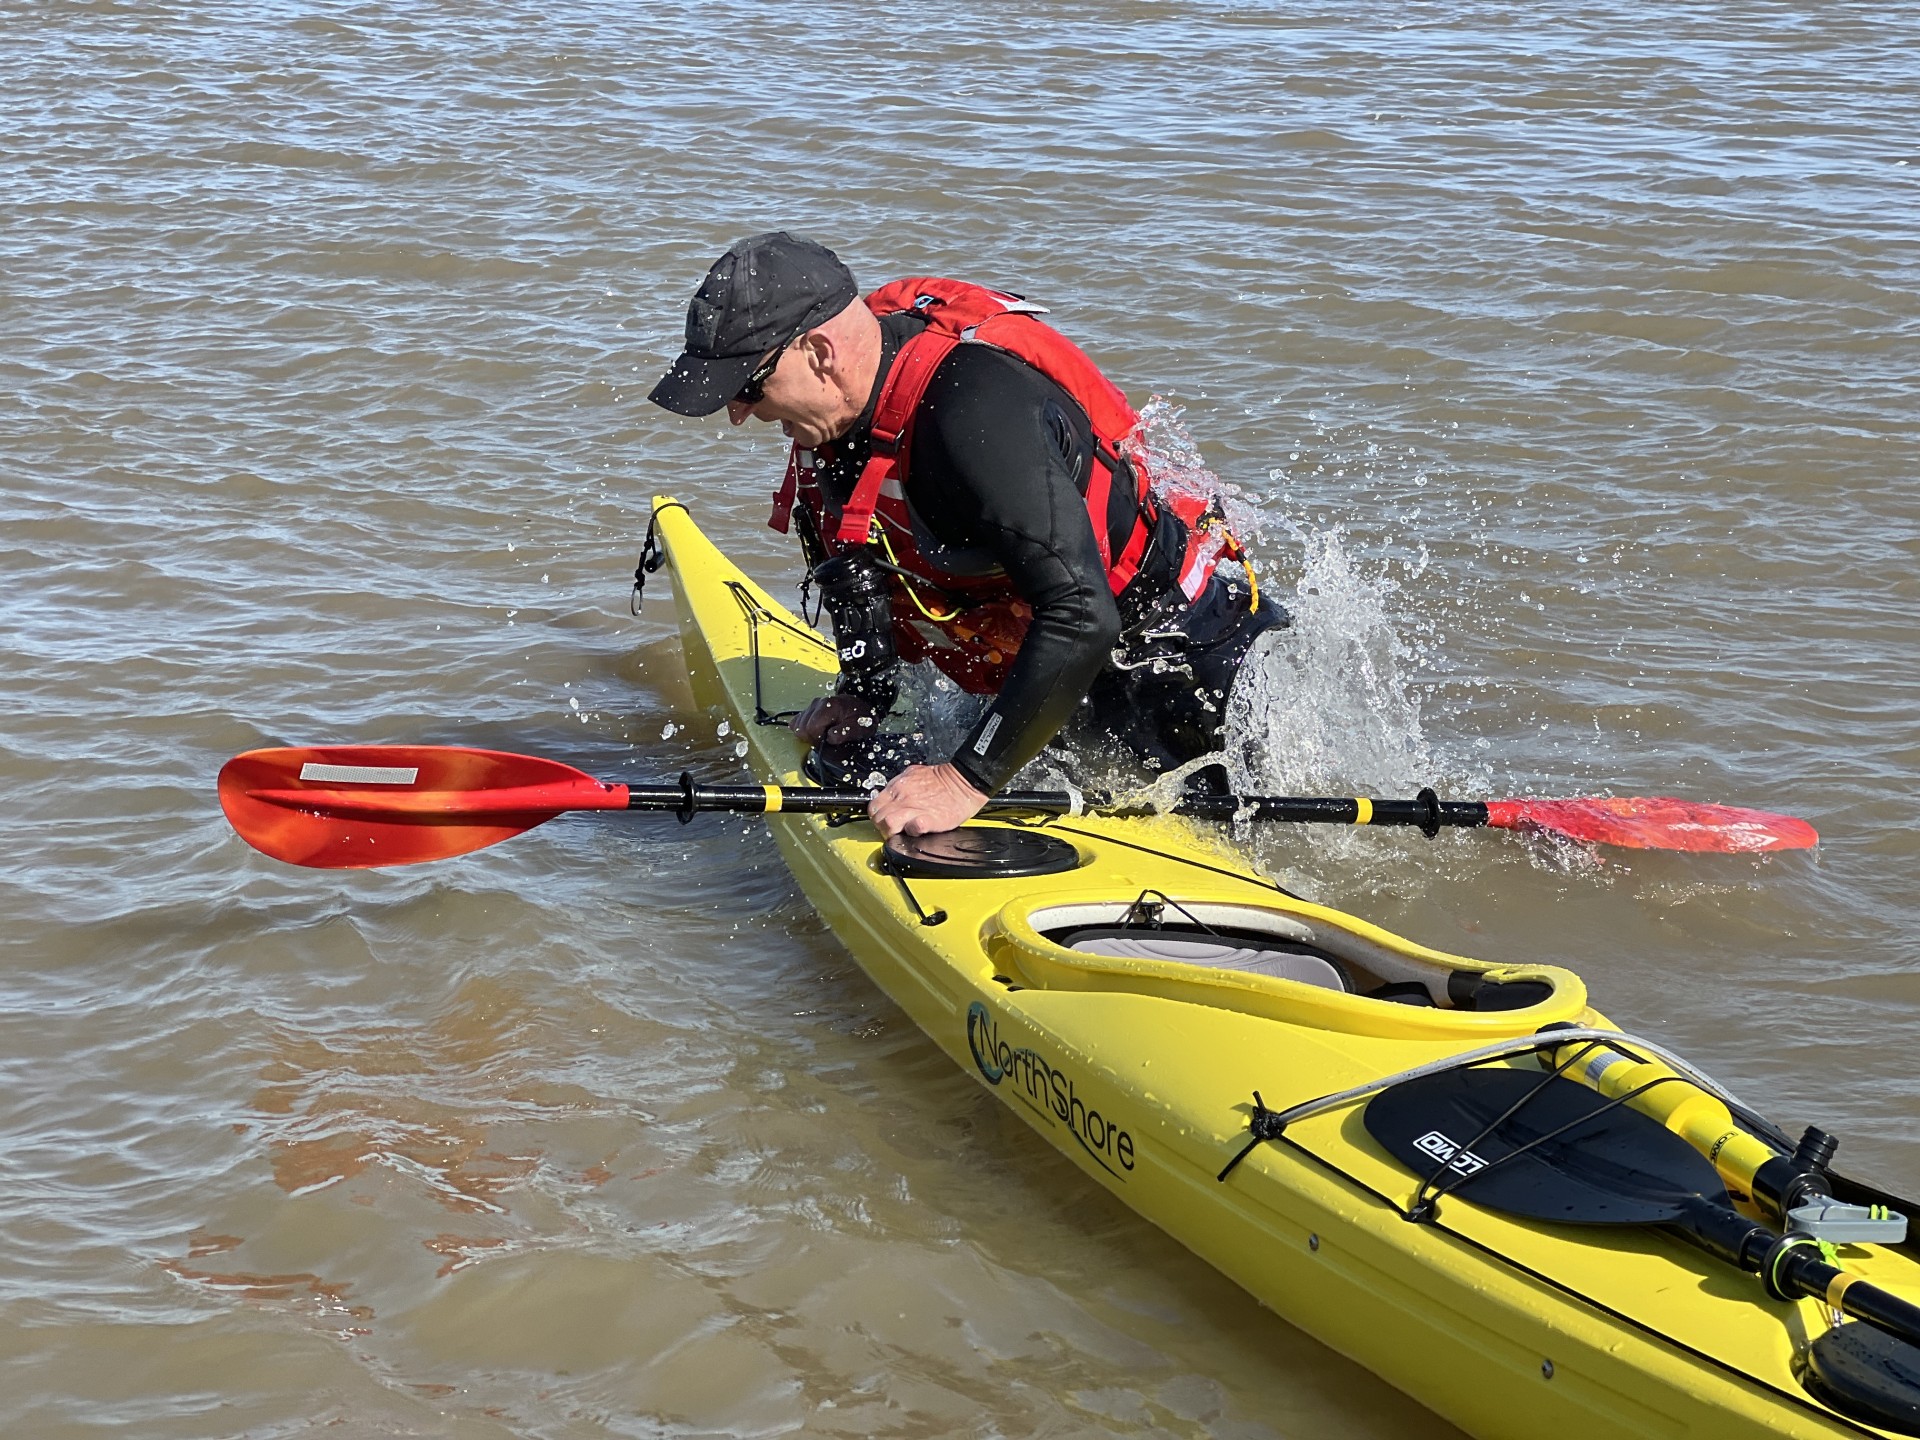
(738, 411)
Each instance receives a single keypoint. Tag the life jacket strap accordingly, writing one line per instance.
(1104, 467)
(1128, 565)
(893, 414)
(1109, 465)
(782, 517)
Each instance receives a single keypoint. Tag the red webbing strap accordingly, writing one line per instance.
(1099, 488)
(1120, 574)
(782, 517)
(892, 418)
(1110, 465)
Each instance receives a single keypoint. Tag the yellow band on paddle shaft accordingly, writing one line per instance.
(1362, 811)
(773, 797)
(1839, 1288)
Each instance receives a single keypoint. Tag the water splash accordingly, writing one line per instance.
(1331, 702)
(1162, 442)
(1172, 457)
(941, 711)
(1327, 704)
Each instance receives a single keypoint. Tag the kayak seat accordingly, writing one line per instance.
(1340, 976)
(1216, 949)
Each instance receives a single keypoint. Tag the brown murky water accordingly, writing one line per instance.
(1565, 355)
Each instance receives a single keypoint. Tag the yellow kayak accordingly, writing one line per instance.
(1129, 993)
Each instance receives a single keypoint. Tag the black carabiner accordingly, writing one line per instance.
(652, 557)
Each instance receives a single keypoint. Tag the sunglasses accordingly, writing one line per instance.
(755, 388)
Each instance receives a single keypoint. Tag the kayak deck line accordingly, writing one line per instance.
(1064, 995)
(1274, 1122)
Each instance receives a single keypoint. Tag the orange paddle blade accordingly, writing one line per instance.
(1655, 822)
(354, 807)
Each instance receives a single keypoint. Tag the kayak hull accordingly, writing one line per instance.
(1142, 1072)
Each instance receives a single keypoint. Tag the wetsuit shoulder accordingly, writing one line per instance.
(999, 461)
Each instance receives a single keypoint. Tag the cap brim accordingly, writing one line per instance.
(697, 385)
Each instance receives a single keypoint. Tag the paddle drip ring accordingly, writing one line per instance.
(1429, 804)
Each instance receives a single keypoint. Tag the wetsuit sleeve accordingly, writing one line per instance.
(997, 451)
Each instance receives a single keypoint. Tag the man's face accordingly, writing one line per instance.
(800, 397)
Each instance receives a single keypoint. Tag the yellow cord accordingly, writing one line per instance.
(1234, 550)
(878, 532)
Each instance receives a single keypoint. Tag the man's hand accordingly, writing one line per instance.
(923, 800)
(835, 720)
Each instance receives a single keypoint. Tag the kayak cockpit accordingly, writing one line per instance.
(1303, 963)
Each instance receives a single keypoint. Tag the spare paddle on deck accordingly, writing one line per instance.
(360, 806)
(1547, 1148)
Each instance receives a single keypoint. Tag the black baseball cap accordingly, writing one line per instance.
(760, 294)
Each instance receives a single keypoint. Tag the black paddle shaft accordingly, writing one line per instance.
(1427, 812)
(1791, 1266)
(1795, 1267)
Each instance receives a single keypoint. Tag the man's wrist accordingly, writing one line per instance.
(982, 783)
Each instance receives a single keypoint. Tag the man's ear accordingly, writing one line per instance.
(823, 353)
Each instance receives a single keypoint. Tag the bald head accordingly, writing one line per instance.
(823, 381)
(849, 344)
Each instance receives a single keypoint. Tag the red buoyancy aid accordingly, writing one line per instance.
(971, 626)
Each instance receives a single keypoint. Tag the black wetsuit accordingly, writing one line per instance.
(1001, 459)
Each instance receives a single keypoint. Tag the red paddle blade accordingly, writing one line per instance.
(1655, 823)
(353, 807)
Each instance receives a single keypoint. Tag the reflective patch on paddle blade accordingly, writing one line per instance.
(360, 774)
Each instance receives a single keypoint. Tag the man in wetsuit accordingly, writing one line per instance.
(1042, 568)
